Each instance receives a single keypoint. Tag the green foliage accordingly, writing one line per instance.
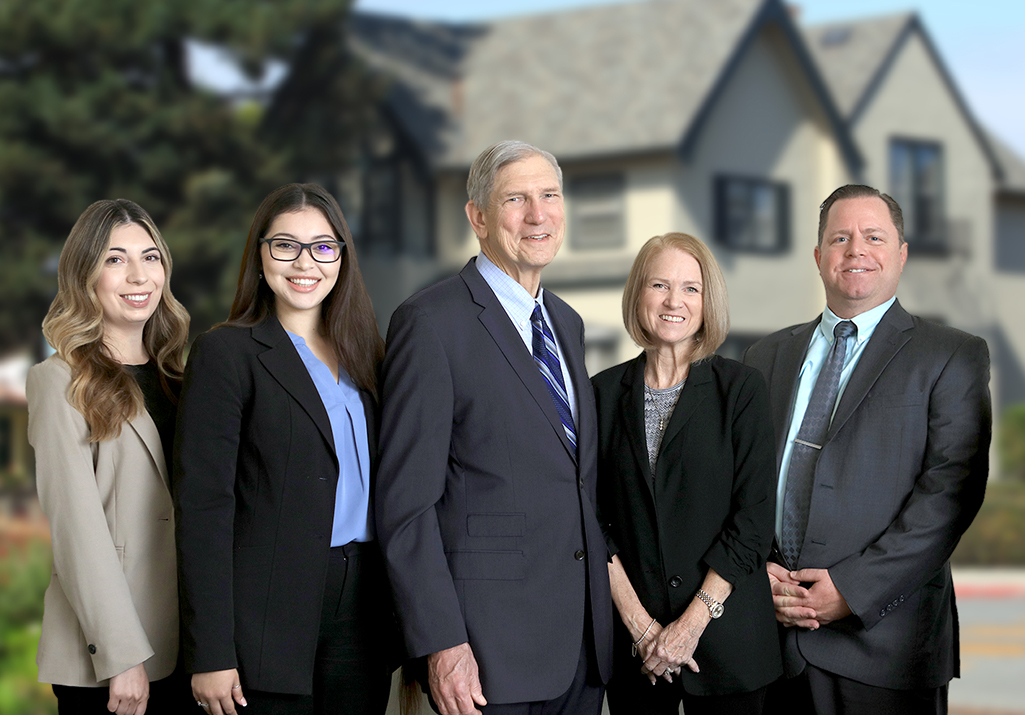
(98, 103)
(997, 536)
(24, 574)
(1011, 442)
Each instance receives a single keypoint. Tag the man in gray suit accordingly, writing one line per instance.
(883, 426)
(486, 484)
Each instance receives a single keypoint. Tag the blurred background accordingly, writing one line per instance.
(730, 120)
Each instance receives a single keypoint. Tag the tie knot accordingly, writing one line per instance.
(536, 316)
(844, 329)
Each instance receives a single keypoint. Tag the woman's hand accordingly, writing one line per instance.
(218, 691)
(675, 645)
(129, 691)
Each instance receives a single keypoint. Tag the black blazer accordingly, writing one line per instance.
(484, 512)
(901, 475)
(255, 478)
(710, 504)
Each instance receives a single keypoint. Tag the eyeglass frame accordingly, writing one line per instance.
(308, 247)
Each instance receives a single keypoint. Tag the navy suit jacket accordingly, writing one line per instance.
(484, 511)
(901, 475)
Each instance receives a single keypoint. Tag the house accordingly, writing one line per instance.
(726, 120)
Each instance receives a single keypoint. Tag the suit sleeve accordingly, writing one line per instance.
(206, 456)
(743, 544)
(85, 559)
(946, 497)
(416, 431)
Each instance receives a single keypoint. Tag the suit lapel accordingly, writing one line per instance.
(783, 384)
(631, 412)
(496, 321)
(284, 364)
(892, 333)
(144, 426)
(692, 395)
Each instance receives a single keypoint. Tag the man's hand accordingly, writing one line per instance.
(129, 691)
(823, 598)
(454, 681)
(790, 599)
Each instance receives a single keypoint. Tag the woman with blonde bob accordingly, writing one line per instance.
(101, 420)
(686, 471)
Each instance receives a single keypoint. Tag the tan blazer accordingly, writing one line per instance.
(112, 602)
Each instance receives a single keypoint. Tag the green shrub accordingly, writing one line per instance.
(1011, 441)
(997, 536)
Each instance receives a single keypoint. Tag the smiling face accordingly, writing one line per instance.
(130, 282)
(861, 256)
(671, 305)
(300, 285)
(522, 227)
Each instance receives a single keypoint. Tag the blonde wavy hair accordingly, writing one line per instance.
(715, 320)
(101, 388)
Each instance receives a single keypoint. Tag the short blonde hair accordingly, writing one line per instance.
(715, 317)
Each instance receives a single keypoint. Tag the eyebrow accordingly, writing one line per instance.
(321, 236)
(121, 250)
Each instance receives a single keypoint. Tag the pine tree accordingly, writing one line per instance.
(97, 101)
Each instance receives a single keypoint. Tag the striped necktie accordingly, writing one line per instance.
(546, 355)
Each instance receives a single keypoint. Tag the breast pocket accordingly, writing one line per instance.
(487, 565)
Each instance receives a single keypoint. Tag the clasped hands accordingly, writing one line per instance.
(666, 650)
(806, 598)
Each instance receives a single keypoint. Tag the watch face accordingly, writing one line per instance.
(716, 610)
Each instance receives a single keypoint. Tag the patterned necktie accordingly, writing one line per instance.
(546, 355)
(808, 445)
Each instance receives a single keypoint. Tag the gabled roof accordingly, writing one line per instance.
(587, 83)
(856, 56)
(1011, 164)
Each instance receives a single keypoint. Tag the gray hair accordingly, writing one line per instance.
(488, 163)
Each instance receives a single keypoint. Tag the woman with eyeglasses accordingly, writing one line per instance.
(285, 605)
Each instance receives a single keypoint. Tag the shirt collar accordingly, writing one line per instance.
(518, 303)
(865, 322)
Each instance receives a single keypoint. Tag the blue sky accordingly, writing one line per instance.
(982, 42)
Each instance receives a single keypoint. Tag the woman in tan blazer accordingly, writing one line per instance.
(101, 419)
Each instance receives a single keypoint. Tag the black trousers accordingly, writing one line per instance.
(819, 692)
(167, 696)
(356, 649)
(631, 693)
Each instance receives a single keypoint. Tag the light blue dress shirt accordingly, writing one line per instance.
(352, 521)
(519, 306)
(818, 349)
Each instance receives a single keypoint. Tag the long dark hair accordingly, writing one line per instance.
(347, 313)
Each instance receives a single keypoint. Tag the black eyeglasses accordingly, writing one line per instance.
(285, 249)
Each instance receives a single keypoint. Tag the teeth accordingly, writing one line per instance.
(671, 318)
(137, 298)
(538, 237)
(856, 270)
(303, 282)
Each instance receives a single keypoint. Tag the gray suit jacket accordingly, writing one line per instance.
(484, 511)
(112, 602)
(901, 475)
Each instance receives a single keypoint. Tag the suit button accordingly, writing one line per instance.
(901, 599)
(882, 613)
(579, 555)
(676, 582)
(92, 649)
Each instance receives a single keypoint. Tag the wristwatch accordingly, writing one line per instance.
(715, 609)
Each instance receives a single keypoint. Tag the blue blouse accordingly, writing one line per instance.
(352, 521)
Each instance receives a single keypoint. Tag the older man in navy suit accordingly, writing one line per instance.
(486, 485)
(883, 426)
